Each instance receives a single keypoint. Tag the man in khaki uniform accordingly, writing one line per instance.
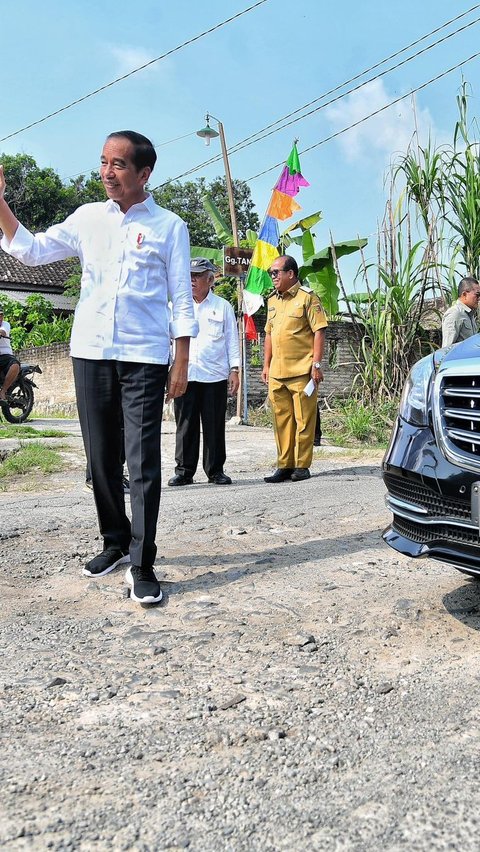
(294, 342)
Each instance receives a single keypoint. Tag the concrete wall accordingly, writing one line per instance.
(56, 392)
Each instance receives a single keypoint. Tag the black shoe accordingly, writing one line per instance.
(144, 586)
(280, 475)
(105, 562)
(300, 473)
(180, 479)
(220, 479)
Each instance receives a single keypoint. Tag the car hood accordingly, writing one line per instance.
(469, 348)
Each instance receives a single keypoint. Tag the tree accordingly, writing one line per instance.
(185, 199)
(39, 198)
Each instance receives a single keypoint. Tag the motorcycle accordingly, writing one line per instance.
(19, 401)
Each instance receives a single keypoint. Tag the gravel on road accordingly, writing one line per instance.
(301, 686)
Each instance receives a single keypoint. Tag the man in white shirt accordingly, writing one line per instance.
(460, 321)
(9, 366)
(135, 259)
(212, 372)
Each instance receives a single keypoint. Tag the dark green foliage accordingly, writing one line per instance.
(34, 323)
(185, 199)
(38, 197)
(227, 289)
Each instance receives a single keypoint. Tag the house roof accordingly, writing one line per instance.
(59, 302)
(19, 281)
(37, 279)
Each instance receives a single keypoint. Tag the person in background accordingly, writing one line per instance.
(212, 374)
(135, 258)
(293, 351)
(9, 365)
(460, 321)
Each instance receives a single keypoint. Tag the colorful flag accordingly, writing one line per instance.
(282, 206)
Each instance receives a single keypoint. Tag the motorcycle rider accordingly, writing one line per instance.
(9, 365)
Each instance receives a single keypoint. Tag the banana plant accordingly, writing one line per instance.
(318, 267)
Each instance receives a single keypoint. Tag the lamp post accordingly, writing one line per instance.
(208, 133)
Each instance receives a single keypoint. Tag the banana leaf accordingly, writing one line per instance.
(222, 230)
(304, 224)
(250, 239)
(213, 254)
(308, 245)
(324, 258)
(324, 284)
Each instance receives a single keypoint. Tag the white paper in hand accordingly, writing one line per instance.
(309, 388)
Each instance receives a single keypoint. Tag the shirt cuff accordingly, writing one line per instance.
(183, 328)
(21, 242)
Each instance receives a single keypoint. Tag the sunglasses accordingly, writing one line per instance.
(274, 273)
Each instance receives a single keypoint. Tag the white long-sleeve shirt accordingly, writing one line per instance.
(214, 351)
(5, 344)
(133, 264)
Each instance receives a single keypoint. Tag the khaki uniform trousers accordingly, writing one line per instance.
(294, 417)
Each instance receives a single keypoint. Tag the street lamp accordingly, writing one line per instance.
(209, 133)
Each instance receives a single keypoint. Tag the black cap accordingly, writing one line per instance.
(202, 264)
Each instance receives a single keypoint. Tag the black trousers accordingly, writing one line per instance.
(106, 390)
(204, 402)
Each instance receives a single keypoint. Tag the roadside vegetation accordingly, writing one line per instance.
(29, 458)
(35, 323)
(428, 239)
(21, 430)
(350, 424)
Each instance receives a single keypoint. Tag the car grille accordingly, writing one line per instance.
(435, 532)
(420, 495)
(457, 414)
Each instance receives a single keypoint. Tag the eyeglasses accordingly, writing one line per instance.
(275, 272)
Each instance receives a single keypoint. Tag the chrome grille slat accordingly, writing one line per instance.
(460, 391)
(464, 436)
(456, 413)
(461, 414)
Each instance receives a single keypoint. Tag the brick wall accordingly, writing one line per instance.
(56, 392)
(55, 389)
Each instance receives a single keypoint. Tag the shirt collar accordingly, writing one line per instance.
(208, 298)
(147, 204)
(464, 306)
(291, 292)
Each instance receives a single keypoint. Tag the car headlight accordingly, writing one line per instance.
(415, 396)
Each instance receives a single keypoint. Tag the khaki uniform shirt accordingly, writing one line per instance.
(458, 323)
(292, 320)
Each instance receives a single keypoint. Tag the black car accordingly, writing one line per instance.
(432, 465)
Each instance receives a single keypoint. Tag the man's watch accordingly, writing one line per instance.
(317, 364)
(234, 369)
